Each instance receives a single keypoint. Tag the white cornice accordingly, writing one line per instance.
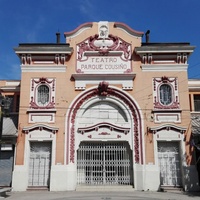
(81, 80)
(42, 52)
(164, 67)
(31, 68)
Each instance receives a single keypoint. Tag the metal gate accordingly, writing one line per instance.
(169, 162)
(6, 166)
(104, 163)
(39, 164)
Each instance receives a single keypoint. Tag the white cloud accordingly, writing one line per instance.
(35, 29)
(87, 8)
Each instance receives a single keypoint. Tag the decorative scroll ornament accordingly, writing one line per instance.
(103, 46)
(35, 82)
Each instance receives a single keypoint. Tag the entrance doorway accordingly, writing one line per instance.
(39, 164)
(6, 166)
(104, 163)
(169, 163)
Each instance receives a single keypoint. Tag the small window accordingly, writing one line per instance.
(196, 102)
(11, 102)
(165, 94)
(43, 95)
(17, 103)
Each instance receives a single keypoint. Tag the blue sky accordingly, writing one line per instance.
(37, 21)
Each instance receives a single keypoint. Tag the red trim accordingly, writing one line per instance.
(111, 92)
(128, 29)
(70, 33)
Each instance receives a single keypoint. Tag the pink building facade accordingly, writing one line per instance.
(104, 109)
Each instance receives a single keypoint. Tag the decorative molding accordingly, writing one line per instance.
(137, 136)
(104, 134)
(36, 117)
(103, 46)
(168, 116)
(102, 88)
(81, 80)
(102, 125)
(43, 68)
(40, 127)
(164, 67)
(35, 83)
(167, 127)
(157, 82)
(43, 81)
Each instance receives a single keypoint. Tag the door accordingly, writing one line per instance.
(39, 164)
(169, 163)
(104, 163)
(6, 167)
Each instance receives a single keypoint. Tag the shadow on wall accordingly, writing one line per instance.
(191, 179)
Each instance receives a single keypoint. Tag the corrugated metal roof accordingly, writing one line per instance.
(10, 125)
(196, 125)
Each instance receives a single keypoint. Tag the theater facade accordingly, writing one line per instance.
(107, 108)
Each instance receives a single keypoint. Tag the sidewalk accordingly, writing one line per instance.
(75, 195)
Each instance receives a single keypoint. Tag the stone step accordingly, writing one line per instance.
(34, 188)
(104, 188)
(171, 189)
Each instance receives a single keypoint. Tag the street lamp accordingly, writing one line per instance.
(5, 105)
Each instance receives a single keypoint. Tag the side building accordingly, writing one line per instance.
(9, 101)
(104, 109)
(194, 97)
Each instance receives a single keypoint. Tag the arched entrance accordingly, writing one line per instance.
(104, 139)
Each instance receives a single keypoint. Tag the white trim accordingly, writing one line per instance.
(164, 51)
(164, 67)
(129, 138)
(164, 61)
(40, 126)
(171, 136)
(44, 62)
(55, 68)
(53, 52)
(126, 80)
(177, 137)
(43, 135)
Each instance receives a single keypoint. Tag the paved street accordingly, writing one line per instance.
(139, 195)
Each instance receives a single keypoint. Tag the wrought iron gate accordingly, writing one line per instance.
(104, 163)
(39, 164)
(169, 162)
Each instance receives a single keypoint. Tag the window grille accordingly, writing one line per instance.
(197, 102)
(43, 95)
(165, 94)
(104, 163)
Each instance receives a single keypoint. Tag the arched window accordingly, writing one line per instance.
(165, 94)
(43, 95)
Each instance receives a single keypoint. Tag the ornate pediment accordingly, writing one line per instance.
(96, 45)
